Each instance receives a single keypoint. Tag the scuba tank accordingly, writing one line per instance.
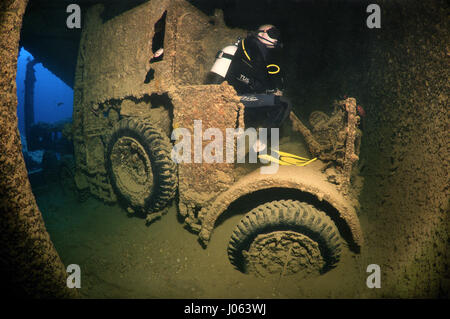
(223, 61)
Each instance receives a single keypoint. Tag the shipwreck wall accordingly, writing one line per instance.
(400, 75)
(29, 263)
(404, 202)
(405, 149)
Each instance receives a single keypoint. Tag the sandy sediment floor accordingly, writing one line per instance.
(120, 257)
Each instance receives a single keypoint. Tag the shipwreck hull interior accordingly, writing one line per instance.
(398, 73)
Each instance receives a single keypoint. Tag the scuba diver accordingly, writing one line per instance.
(249, 66)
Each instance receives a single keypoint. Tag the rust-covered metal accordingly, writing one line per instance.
(217, 107)
(308, 179)
(335, 139)
(117, 78)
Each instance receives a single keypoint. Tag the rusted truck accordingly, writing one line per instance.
(128, 100)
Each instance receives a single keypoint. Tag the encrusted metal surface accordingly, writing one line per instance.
(307, 179)
(217, 106)
(115, 78)
(283, 253)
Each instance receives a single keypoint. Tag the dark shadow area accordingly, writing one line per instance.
(150, 76)
(154, 100)
(158, 39)
(325, 45)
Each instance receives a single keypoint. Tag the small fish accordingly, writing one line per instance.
(60, 103)
(361, 111)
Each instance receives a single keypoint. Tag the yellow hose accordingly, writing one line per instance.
(243, 47)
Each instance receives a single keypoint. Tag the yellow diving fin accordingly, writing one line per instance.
(291, 155)
(287, 159)
(291, 161)
(308, 162)
(272, 159)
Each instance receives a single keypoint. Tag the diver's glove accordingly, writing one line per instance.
(276, 92)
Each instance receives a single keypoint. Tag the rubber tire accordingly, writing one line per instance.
(286, 215)
(158, 148)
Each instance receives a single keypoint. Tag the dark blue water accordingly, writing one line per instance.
(53, 99)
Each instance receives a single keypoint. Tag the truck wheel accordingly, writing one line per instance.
(139, 165)
(285, 237)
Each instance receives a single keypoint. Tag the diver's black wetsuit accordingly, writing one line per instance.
(249, 72)
(253, 74)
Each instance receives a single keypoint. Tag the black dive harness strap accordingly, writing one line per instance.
(224, 55)
(269, 106)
